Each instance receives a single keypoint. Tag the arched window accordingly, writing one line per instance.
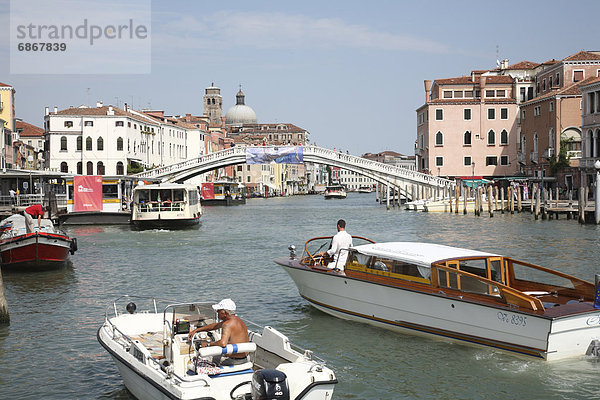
(79, 143)
(467, 138)
(90, 168)
(535, 143)
(589, 144)
(491, 140)
(120, 144)
(88, 143)
(79, 168)
(100, 168)
(120, 170)
(504, 137)
(551, 138)
(64, 167)
(100, 144)
(63, 143)
(439, 139)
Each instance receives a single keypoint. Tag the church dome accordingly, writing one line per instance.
(240, 113)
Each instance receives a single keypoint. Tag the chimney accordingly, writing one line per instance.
(125, 107)
(427, 84)
(110, 111)
(46, 111)
(55, 110)
(99, 104)
(482, 87)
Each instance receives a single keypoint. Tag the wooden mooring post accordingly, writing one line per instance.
(519, 198)
(4, 316)
(502, 199)
(489, 199)
(538, 199)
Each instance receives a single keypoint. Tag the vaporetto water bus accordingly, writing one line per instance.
(448, 292)
(148, 340)
(335, 192)
(166, 206)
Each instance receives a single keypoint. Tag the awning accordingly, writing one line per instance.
(478, 182)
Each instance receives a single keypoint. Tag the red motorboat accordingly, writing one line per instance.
(44, 248)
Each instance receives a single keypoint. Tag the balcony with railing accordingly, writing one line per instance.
(571, 154)
(549, 152)
(521, 157)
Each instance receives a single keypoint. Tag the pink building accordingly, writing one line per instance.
(590, 90)
(467, 126)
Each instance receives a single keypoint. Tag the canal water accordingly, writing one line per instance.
(50, 350)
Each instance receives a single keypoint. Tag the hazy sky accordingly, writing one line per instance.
(349, 72)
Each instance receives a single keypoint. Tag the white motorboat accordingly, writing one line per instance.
(335, 192)
(459, 294)
(168, 206)
(156, 360)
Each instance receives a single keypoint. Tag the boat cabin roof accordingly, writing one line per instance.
(418, 253)
(165, 186)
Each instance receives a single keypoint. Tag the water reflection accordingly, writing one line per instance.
(231, 255)
(57, 280)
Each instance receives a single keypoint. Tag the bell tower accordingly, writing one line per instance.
(213, 104)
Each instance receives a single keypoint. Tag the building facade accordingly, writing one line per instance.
(107, 140)
(590, 129)
(538, 112)
(467, 126)
(7, 120)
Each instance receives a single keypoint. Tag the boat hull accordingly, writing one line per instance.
(437, 315)
(35, 250)
(166, 223)
(95, 218)
(224, 202)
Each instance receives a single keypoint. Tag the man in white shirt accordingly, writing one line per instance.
(339, 247)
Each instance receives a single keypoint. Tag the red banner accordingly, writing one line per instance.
(208, 191)
(87, 193)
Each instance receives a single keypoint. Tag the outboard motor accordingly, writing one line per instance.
(268, 384)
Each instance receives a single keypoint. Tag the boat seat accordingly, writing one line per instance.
(230, 369)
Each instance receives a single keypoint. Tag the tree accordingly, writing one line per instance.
(560, 162)
(134, 168)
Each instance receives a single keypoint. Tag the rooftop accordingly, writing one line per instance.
(28, 130)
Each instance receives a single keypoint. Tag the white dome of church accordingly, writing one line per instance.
(240, 113)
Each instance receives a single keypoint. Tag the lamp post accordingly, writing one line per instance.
(473, 174)
(597, 197)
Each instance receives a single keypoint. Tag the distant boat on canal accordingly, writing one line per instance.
(165, 206)
(223, 193)
(335, 192)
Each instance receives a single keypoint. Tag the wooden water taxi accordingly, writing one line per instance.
(459, 294)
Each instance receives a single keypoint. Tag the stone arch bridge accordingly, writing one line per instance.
(409, 183)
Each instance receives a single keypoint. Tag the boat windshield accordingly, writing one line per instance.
(318, 244)
(182, 315)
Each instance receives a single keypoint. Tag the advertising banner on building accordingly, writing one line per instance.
(87, 193)
(208, 191)
(274, 155)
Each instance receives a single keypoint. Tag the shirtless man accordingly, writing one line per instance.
(233, 331)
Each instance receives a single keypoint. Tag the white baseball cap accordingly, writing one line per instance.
(225, 304)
